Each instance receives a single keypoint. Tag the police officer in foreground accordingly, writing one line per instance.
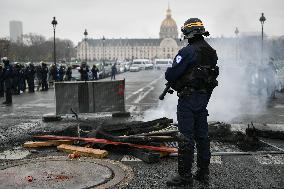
(8, 81)
(193, 75)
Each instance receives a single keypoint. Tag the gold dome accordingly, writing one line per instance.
(168, 27)
(168, 21)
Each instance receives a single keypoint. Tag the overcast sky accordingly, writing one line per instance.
(138, 18)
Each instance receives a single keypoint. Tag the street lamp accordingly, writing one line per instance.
(262, 20)
(86, 34)
(132, 57)
(54, 23)
(103, 39)
(5, 54)
(68, 52)
(237, 33)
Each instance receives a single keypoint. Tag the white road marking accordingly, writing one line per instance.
(143, 95)
(141, 89)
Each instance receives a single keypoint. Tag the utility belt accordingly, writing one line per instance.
(188, 91)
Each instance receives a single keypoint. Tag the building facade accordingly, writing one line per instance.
(166, 46)
(16, 31)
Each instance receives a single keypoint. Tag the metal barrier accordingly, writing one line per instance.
(90, 96)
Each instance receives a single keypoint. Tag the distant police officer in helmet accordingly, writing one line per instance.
(193, 75)
(7, 76)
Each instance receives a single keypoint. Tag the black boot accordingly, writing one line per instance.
(185, 160)
(202, 173)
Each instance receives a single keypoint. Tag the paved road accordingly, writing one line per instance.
(23, 119)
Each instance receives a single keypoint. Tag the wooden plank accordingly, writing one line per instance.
(104, 141)
(49, 143)
(83, 151)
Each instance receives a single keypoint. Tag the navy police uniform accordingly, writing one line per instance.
(8, 81)
(44, 74)
(95, 72)
(68, 74)
(61, 73)
(1, 82)
(84, 72)
(113, 71)
(30, 74)
(16, 79)
(193, 75)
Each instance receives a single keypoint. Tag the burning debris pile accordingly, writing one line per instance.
(147, 141)
(144, 140)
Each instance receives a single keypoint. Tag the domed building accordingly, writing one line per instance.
(168, 27)
(166, 46)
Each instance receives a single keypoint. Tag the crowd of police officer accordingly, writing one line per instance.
(17, 78)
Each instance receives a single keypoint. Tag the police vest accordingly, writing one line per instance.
(202, 75)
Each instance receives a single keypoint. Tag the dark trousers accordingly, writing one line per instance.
(39, 85)
(1, 89)
(112, 76)
(8, 94)
(22, 84)
(192, 123)
(44, 85)
(95, 76)
(16, 86)
(31, 85)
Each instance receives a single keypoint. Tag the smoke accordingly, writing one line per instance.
(244, 83)
(166, 108)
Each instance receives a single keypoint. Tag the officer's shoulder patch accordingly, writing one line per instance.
(178, 58)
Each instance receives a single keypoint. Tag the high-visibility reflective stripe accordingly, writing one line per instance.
(193, 24)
